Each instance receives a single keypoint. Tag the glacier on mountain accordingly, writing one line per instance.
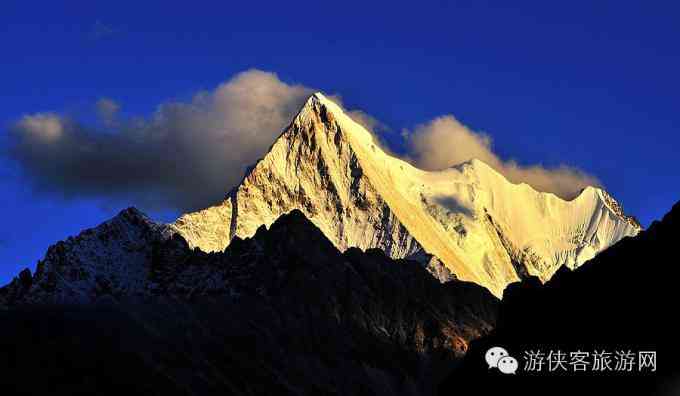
(480, 226)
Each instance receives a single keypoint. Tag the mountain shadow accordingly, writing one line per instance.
(624, 300)
(282, 313)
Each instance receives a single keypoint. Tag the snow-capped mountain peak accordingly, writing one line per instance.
(111, 258)
(479, 225)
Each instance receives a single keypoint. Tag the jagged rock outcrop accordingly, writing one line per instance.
(283, 312)
(483, 228)
(111, 258)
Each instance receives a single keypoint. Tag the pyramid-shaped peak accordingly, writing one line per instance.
(320, 107)
(319, 102)
(318, 95)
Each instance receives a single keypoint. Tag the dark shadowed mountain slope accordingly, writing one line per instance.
(282, 313)
(625, 299)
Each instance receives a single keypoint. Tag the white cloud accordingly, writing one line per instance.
(41, 127)
(187, 155)
(444, 142)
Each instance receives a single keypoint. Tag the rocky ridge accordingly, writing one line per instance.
(283, 312)
(480, 226)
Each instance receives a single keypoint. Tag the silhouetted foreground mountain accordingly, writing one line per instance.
(625, 299)
(282, 313)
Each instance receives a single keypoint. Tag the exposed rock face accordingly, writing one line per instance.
(283, 312)
(483, 228)
(617, 302)
(314, 167)
(110, 259)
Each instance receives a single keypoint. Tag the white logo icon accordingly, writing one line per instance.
(500, 358)
(495, 354)
(507, 365)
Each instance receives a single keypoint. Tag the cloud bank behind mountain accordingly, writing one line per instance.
(188, 154)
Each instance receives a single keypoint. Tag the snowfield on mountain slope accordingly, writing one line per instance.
(482, 227)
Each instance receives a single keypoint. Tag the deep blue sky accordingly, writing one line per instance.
(591, 84)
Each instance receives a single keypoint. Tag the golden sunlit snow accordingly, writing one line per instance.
(482, 227)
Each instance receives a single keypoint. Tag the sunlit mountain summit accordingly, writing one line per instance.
(469, 218)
